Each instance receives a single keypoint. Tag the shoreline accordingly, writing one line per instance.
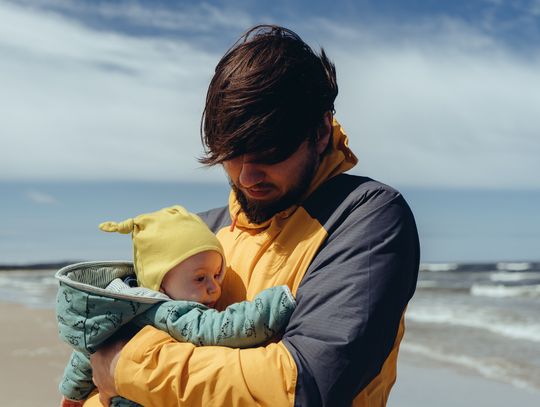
(33, 360)
(37, 266)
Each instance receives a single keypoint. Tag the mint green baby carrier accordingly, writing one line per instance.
(90, 311)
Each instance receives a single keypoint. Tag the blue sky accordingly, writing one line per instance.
(432, 93)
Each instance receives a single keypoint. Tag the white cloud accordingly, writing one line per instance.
(79, 103)
(431, 103)
(439, 105)
(199, 17)
(40, 197)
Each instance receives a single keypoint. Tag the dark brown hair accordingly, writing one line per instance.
(269, 94)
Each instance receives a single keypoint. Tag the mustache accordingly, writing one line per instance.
(259, 185)
(262, 185)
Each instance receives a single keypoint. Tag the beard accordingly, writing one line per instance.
(259, 211)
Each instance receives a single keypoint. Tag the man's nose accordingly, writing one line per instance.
(250, 175)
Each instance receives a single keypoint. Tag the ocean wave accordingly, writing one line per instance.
(505, 290)
(438, 267)
(481, 267)
(516, 266)
(446, 285)
(34, 288)
(428, 284)
(510, 325)
(28, 285)
(488, 368)
(505, 276)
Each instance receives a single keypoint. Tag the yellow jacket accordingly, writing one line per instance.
(350, 255)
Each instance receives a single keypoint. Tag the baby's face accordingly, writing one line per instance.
(195, 279)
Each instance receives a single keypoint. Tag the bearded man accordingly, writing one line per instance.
(347, 246)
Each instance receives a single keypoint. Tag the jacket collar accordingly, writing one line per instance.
(334, 162)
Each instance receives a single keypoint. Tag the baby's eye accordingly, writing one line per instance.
(217, 276)
(199, 279)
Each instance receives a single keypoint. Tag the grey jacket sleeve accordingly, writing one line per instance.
(241, 325)
(354, 293)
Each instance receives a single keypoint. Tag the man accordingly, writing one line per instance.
(347, 247)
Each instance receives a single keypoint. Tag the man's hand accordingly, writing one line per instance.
(71, 403)
(103, 366)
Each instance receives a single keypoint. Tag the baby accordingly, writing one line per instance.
(179, 267)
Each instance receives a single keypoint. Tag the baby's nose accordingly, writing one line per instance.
(213, 287)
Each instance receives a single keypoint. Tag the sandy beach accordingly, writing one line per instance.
(33, 360)
(424, 383)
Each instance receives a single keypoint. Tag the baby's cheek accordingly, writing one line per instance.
(197, 296)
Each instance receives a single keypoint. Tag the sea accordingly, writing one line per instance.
(477, 302)
(483, 317)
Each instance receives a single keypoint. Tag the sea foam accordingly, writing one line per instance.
(502, 291)
(510, 325)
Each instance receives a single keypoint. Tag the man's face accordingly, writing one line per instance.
(265, 189)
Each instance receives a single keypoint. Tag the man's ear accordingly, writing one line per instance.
(324, 133)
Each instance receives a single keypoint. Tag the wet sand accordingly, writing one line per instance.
(425, 383)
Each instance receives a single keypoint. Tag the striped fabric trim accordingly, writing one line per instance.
(94, 276)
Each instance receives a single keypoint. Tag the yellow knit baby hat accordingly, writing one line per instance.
(163, 239)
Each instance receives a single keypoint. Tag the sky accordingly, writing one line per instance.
(432, 94)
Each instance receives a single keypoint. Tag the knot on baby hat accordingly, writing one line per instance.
(120, 227)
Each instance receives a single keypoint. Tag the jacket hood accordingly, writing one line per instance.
(337, 160)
